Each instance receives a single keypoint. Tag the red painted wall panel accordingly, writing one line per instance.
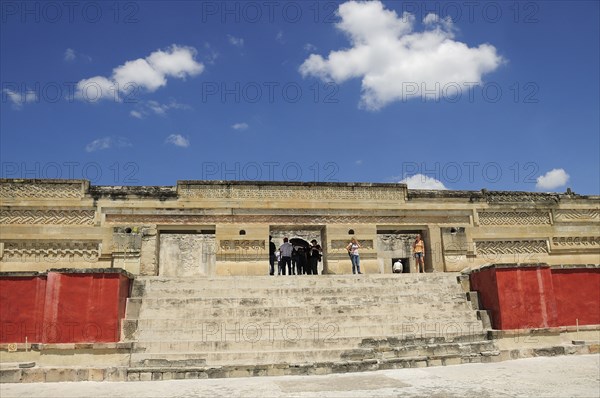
(484, 282)
(70, 307)
(526, 297)
(22, 308)
(577, 293)
(538, 297)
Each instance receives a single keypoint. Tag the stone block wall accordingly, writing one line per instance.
(70, 222)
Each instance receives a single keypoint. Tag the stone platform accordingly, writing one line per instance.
(177, 328)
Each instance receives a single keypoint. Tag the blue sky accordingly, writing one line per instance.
(497, 95)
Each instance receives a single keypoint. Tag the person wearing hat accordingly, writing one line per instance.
(314, 256)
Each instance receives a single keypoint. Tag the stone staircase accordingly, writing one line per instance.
(301, 324)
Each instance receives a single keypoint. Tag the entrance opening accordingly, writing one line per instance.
(393, 244)
(300, 236)
(405, 264)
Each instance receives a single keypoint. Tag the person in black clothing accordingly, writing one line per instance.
(301, 261)
(295, 260)
(314, 256)
(272, 249)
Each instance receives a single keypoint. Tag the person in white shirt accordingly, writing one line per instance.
(286, 257)
(397, 267)
(352, 248)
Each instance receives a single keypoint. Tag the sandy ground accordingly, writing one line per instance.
(564, 376)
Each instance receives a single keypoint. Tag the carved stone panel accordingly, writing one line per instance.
(287, 192)
(39, 190)
(340, 244)
(511, 247)
(186, 255)
(584, 215)
(514, 218)
(50, 251)
(576, 243)
(520, 197)
(64, 217)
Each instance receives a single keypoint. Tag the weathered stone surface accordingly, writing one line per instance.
(10, 375)
(460, 228)
(37, 375)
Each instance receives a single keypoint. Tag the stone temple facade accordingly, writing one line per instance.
(220, 228)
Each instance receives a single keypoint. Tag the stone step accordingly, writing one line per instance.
(302, 343)
(162, 369)
(284, 320)
(247, 357)
(291, 301)
(297, 281)
(256, 332)
(179, 292)
(312, 354)
(410, 321)
(432, 310)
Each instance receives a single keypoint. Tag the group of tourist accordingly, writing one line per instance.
(300, 260)
(297, 260)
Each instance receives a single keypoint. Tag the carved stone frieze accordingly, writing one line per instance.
(341, 244)
(514, 218)
(576, 241)
(511, 247)
(35, 250)
(289, 192)
(279, 219)
(34, 216)
(577, 215)
(520, 197)
(39, 190)
(228, 245)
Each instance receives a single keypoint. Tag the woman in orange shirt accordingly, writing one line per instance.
(419, 251)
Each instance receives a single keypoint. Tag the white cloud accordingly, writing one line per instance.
(235, 41)
(97, 88)
(139, 73)
(136, 114)
(310, 47)
(421, 181)
(358, 162)
(240, 126)
(211, 55)
(279, 37)
(70, 55)
(553, 179)
(395, 62)
(146, 107)
(148, 73)
(178, 140)
(177, 62)
(106, 143)
(19, 99)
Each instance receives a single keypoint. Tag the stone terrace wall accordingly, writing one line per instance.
(69, 223)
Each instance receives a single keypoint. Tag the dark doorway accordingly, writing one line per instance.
(405, 264)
